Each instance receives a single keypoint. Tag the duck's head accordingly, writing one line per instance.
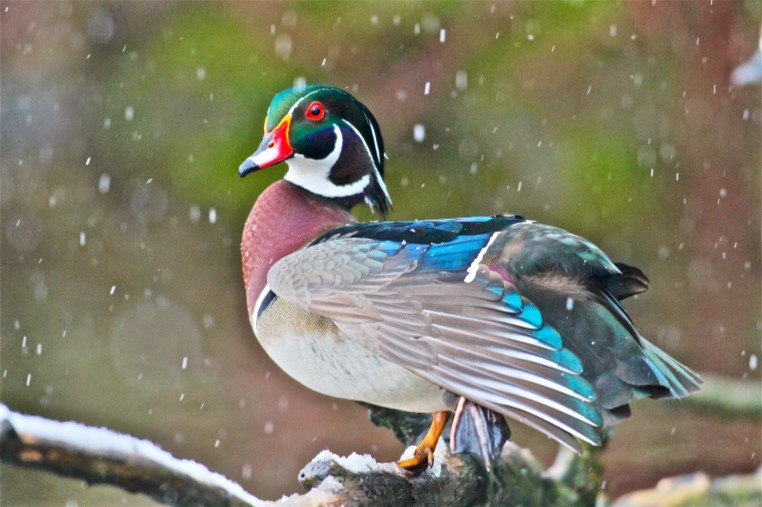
(331, 143)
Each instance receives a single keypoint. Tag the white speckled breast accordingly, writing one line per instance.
(312, 350)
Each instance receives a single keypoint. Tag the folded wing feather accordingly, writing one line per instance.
(479, 340)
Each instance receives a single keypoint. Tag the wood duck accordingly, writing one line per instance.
(486, 317)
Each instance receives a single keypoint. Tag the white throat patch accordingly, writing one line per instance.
(313, 175)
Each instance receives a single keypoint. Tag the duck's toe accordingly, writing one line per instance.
(423, 457)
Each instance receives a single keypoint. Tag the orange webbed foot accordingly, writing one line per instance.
(424, 452)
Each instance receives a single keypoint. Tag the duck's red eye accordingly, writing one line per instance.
(315, 111)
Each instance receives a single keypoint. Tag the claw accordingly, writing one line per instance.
(424, 452)
(423, 456)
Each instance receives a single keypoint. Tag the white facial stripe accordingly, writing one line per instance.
(379, 179)
(291, 111)
(375, 140)
(313, 175)
(382, 184)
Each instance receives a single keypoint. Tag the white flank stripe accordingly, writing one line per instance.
(255, 312)
(474, 267)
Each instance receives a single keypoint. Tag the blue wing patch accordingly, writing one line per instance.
(450, 246)
(423, 231)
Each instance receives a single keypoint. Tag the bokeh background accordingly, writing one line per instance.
(123, 124)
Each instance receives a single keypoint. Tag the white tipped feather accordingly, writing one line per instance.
(515, 373)
(474, 267)
(513, 392)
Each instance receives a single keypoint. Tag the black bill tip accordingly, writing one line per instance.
(247, 167)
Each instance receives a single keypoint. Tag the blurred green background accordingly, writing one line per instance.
(123, 124)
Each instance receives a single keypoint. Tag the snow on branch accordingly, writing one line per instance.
(103, 456)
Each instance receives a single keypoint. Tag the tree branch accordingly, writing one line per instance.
(102, 456)
(722, 395)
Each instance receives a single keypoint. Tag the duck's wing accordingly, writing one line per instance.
(420, 294)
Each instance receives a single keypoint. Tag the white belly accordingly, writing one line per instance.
(312, 350)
